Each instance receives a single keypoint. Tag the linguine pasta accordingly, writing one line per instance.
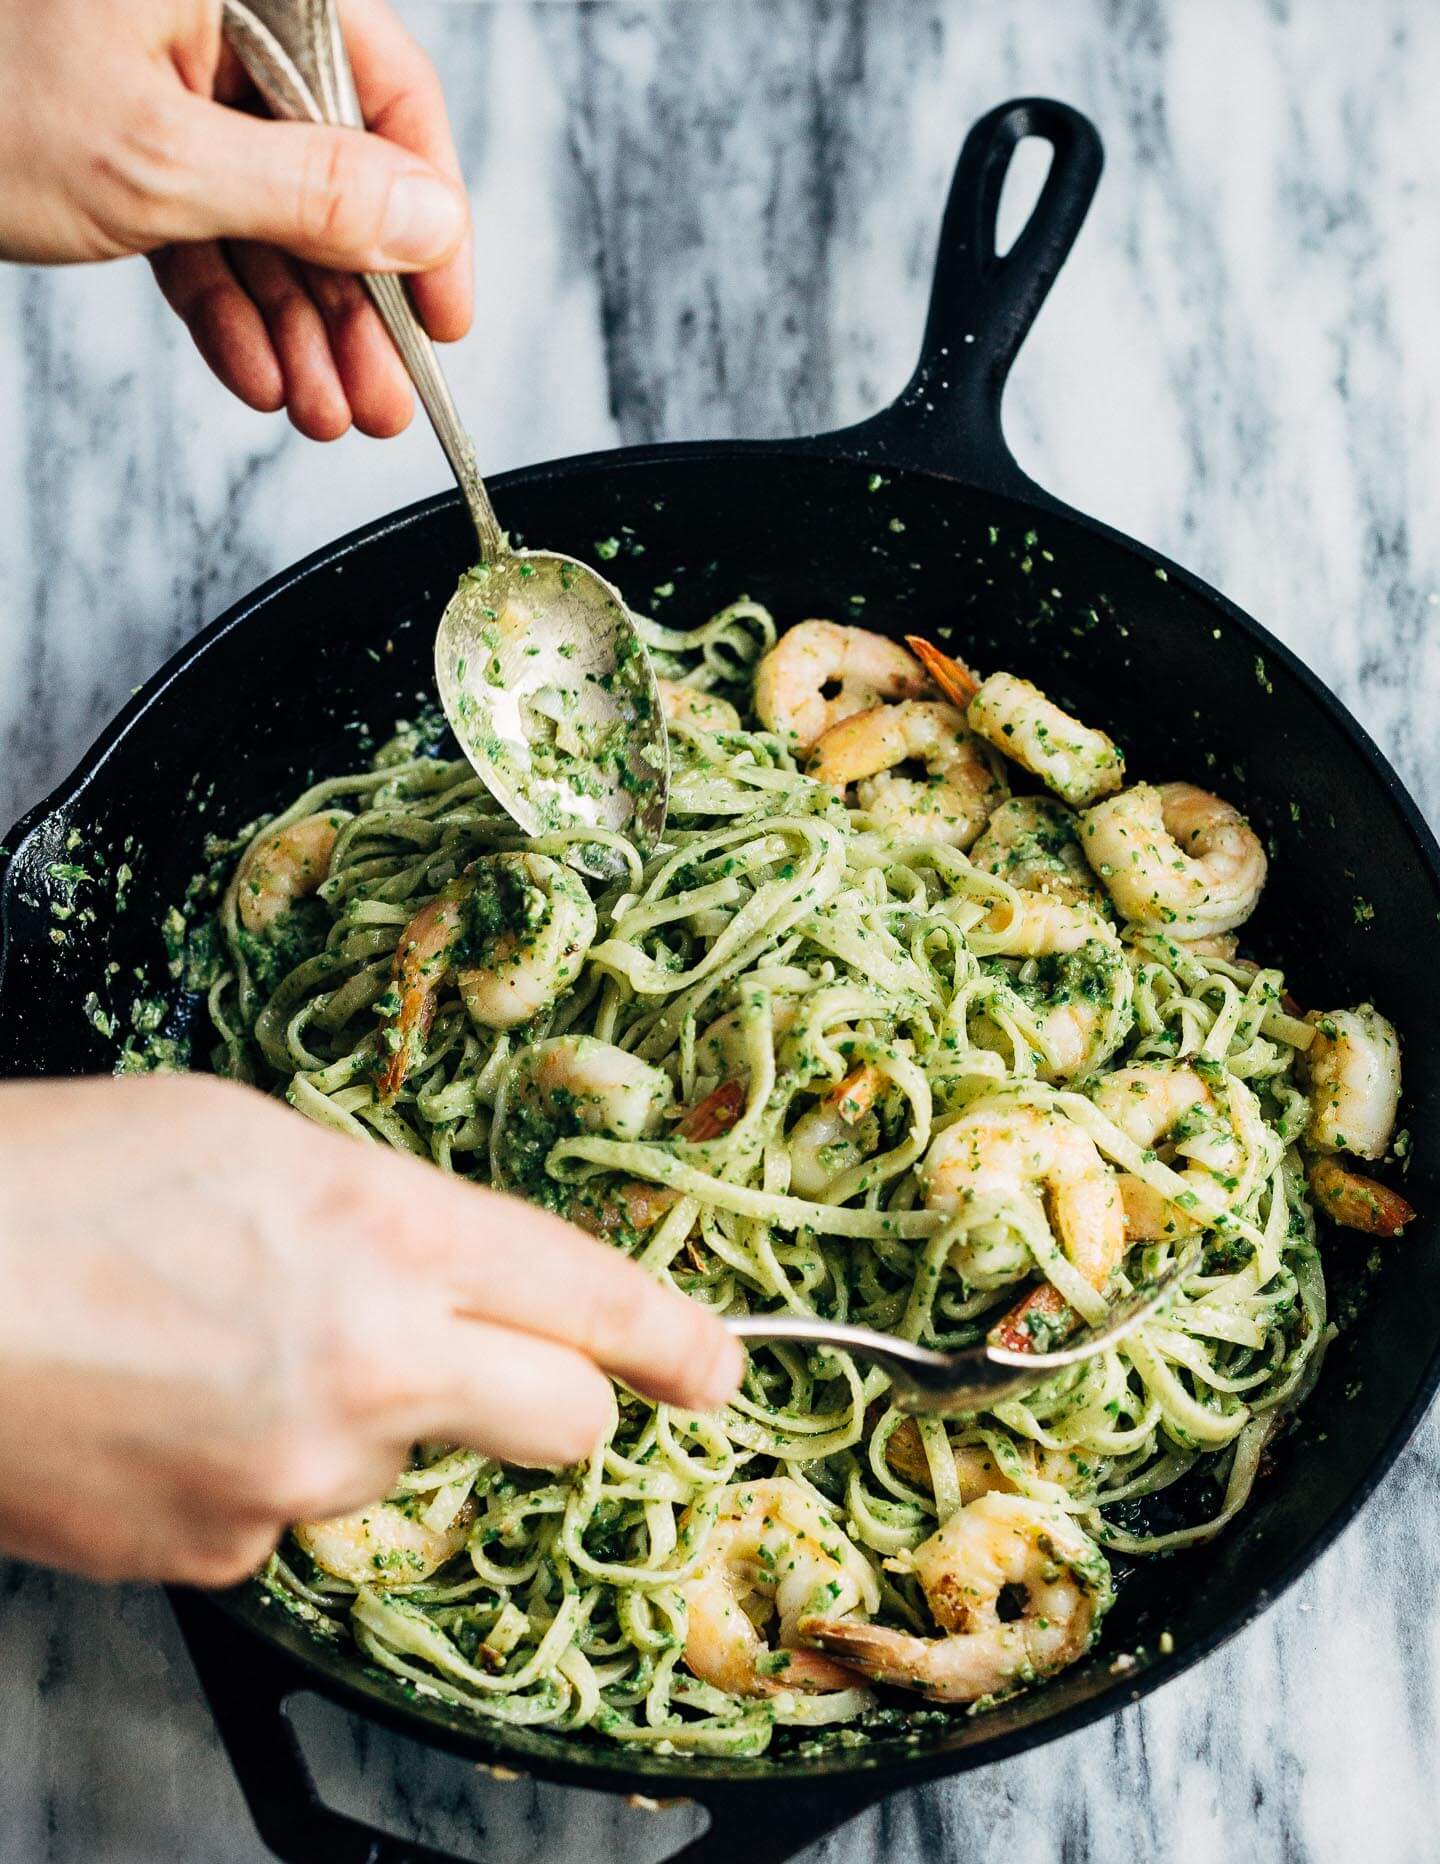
(784, 942)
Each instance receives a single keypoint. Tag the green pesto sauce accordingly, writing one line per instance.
(501, 900)
(532, 1129)
(1082, 976)
(565, 765)
(297, 935)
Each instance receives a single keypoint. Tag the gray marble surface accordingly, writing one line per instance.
(726, 212)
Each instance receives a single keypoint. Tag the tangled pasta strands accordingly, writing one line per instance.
(818, 944)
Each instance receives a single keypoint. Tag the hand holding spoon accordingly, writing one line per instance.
(541, 671)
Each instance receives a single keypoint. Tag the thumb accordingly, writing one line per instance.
(341, 198)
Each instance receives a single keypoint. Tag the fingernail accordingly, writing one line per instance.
(424, 220)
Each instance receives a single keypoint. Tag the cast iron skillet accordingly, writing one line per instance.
(916, 520)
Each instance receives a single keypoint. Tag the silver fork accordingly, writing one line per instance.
(975, 1377)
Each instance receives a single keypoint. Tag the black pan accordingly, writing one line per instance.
(294, 681)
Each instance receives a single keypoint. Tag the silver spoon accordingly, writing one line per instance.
(974, 1378)
(541, 670)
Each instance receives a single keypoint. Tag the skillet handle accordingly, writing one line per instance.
(248, 1686)
(982, 306)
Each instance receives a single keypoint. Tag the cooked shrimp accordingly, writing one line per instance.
(960, 788)
(1222, 945)
(567, 1085)
(1034, 843)
(283, 867)
(971, 1571)
(1176, 857)
(836, 1133)
(601, 1088)
(386, 1544)
(635, 1206)
(1016, 1154)
(1150, 1217)
(1357, 1202)
(1078, 994)
(687, 705)
(1072, 1027)
(1170, 1104)
(512, 930)
(1040, 1320)
(715, 1114)
(828, 1138)
(1353, 1067)
(791, 681)
(1047, 927)
(1071, 759)
(976, 1471)
(772, 1552)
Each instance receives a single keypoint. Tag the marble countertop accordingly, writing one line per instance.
(719, 219)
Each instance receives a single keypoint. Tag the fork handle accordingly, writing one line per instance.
(295, 54)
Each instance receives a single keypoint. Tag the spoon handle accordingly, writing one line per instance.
(417, 352)
(295, 54)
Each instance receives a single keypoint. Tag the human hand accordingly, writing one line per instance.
(118, 137)
(216, 1319)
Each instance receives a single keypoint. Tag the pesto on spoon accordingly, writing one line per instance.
(552, 696)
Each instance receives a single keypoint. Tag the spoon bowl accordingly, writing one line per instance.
(553, 699)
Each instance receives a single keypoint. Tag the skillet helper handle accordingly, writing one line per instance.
(775, 1826)
(248, 1687)
(982, 304)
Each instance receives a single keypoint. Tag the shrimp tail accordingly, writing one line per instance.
(1357, 1202)
(884, 1656)
(715, 1114)
(855, 1095)
(905, 1453)
(635, 1206)
(810, 1673)
(418, 969)
(953, 677)
(1038, 1322)
(409, 1033)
